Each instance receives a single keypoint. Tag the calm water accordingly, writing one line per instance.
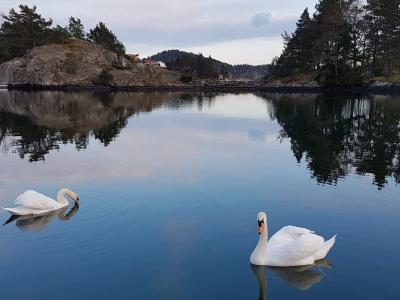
(170, 185)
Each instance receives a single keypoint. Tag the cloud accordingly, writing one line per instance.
(208, 33)
(261, 19)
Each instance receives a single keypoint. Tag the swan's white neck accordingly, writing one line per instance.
(258, 255)
(61, 196)
(263, 239)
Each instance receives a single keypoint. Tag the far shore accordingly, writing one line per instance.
(225, 87)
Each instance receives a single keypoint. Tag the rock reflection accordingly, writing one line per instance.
(338, 135)
(37, 223)
(34, 123)
(301, 278)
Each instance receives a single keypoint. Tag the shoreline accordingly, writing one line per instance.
(342, 89)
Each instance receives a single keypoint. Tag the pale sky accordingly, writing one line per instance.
(235, 31)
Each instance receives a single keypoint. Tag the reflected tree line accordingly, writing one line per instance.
(338, 135)
(334, 135)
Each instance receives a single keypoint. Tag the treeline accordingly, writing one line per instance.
(345, 41)
(198, 66)
(22, 30)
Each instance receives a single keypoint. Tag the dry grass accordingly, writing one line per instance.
(391, 79)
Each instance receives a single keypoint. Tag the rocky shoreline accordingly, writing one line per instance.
(219, 87)
(80, 65)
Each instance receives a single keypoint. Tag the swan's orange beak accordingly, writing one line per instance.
(261, 229)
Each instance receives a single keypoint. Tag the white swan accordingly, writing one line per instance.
(290, 246)
(34, 203)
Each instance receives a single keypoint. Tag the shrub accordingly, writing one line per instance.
(186, 79)
(104, 78)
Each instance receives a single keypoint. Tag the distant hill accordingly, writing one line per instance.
(175, 58)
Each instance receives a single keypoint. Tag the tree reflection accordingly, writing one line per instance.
(338, 135)
(34, 123)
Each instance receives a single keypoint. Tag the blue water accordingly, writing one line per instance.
(170, 185)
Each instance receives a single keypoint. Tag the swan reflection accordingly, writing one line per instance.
(39, 222)
(301, 278)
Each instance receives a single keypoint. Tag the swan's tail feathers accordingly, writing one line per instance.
(325, 249)
(16, 211)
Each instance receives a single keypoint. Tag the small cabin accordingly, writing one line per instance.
(151, 62)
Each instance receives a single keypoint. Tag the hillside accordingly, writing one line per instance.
(244, 71)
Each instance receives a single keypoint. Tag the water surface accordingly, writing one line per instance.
(170, 185)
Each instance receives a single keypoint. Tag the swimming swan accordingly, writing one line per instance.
(34, 203)
(39, 222)
(291, 246)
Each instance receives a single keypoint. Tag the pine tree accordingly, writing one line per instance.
(383, 23)
(60, 35)
(22, 31)
(76, 29)
(105, 37)
(334, 43)
(302, 43)
(297, 55)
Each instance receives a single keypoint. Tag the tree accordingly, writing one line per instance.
(297, 56)
(105, 37)
(333, 45)
(301, 43)
(60, 35)
(76, 29)
(22, 31)
(347, 40)
(383, 25)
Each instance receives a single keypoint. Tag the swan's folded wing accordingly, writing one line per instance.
(34, 200)
(303, 247)
(287, 234)
(295, 231)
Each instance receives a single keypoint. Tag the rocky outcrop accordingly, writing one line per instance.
(81, 63)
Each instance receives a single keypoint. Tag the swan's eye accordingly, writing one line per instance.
(260, 222)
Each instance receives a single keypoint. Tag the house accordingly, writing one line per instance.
(151, 62)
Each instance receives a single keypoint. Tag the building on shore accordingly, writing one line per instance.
(151, 62)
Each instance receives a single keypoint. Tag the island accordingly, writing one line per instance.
(344, 46)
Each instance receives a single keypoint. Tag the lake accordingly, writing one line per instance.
(170, 185)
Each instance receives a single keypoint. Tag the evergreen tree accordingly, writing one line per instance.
(76, 29)
(297, 56)
(302, 43)
(60, 35)
(23, 30)
(105, 37)
(333, 45)
(383, 23)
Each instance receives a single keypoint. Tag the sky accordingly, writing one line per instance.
(234, 31)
